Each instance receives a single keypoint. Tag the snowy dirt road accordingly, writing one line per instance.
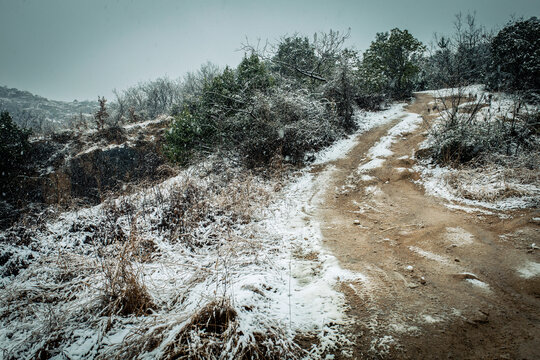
(436, 282)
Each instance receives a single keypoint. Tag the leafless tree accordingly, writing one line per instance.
(320, 56)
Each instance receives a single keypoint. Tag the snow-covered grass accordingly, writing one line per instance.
(226, 258)
(484, 188)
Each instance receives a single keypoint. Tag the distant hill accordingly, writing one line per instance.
(43, 115)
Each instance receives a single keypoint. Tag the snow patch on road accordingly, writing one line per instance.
(478, 283)
(365, 121)
(378, 153)
(529, 270)
(459, 236)
(427, 254)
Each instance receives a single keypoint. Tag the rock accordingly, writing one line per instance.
(410, 268)
(465, 276)
(479, 317)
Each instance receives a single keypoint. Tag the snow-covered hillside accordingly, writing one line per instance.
(41, 114)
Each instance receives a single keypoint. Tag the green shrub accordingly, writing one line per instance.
(245, 110)
(209, 122)
(221, 97)
(253, 75)
(390, 65)
(187, 134)
(295, 57)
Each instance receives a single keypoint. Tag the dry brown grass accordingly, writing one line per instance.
(212, 324)
(212, 333)
(185, 208)
(242, 196)
(124, 293)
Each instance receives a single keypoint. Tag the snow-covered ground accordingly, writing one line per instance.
(381, 150)
(366, 121)
(255, 248)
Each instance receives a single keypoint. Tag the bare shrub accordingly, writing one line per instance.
(101, 115)
(147, 100)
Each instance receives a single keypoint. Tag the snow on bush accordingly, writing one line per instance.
(482, 149)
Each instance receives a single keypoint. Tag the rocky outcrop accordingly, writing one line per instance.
(84, 168)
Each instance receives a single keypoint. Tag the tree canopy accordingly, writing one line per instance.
(516, 56)
(391, 63)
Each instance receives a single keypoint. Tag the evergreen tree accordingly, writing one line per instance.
(516, 57)
(391, 63)
(14, 149)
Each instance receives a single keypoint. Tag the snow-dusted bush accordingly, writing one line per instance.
(203, 123)
(370, 102)
(287, 124)
(287, 104)
(465, 132)
(463, 139)
(341, 92)
(460, 58)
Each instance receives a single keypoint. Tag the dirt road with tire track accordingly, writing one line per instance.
(436, 282)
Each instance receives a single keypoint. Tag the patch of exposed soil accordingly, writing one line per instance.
(437, 283)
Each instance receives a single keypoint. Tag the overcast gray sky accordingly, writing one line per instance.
(79, 49)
